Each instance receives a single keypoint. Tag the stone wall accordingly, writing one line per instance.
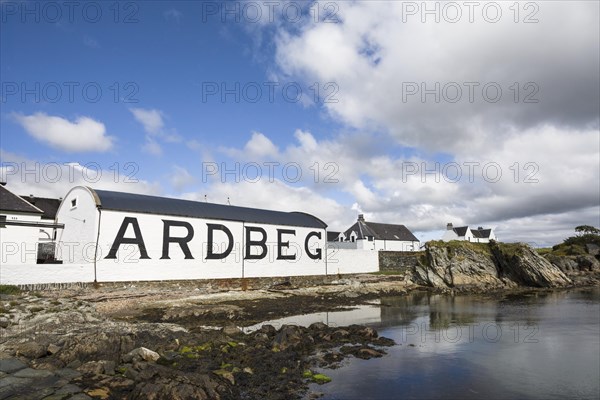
(203, 286)
(399, 261)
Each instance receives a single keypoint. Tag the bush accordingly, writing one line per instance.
(9, 289)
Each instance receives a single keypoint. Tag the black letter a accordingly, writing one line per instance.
(120, 239)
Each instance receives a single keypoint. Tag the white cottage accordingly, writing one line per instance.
(377, 236)
(478, 235)
(137, 237)
(22, 228)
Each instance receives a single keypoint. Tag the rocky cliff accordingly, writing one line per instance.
(494, 265)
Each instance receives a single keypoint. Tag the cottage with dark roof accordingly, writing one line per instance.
(129, 236)
(378, 236)
(478, 235)
(22, 229)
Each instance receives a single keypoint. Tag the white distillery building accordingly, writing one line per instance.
(128, 237)
(104, 236)
(479, 235)
(23, 228)
(378, 236)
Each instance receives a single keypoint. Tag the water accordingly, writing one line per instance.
(542, 345)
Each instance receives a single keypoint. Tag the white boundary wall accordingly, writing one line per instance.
(339, 261)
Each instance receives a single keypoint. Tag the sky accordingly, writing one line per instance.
(415, 113)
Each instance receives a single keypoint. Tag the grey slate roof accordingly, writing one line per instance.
(332, 236)
(138, 203)
(461, 230)
(13, 203)
(481, 233)
(48, 206)
(381, 231)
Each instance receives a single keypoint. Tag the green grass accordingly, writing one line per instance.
(455, 245)
(9, 289)
(544, 250)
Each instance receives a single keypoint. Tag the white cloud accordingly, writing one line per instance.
(276, 195)
(154, 126)
(151, 120)
(152, 147)
(25, 176)
(84, 134)
(180, 178)
(373, 55)
(388, 189)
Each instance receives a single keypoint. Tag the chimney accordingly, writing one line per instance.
(449, 227)
(361, 217)
(2, 183)
(32, 199)
(479, 228)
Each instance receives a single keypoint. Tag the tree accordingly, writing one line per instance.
(587, 230)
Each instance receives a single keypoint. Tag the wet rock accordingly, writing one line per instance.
(106, 367)
(261, 337)
(318, 326)
(69, 389)
(367, 353)
(288, 335)
(268, 329)
(11, 365)
(33, 373)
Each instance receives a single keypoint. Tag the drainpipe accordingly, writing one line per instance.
(97, 241)
(325, 251)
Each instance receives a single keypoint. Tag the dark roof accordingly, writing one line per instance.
(332, 236)
(11, 202)
(461, 230)
(48, 206)
(118, 201)
(381, 231)
(481, 233)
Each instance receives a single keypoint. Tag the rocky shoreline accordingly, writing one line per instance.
(183, 340)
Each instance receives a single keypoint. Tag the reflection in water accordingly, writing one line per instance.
(536, 345)
(364, 315)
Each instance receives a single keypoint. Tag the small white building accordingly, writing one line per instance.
(129, 237)
(378, 236)
(22, 229)
(479, 235)
(47, 233)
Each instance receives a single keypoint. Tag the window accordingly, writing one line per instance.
(74, 203)
(2, 221)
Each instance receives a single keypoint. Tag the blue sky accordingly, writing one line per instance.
(156, 62)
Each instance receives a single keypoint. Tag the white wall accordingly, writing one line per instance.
(45, 273)
(449, 235)
(396, 245)
(129, 266)
(76, 241)
(18, 244)
(350, 261)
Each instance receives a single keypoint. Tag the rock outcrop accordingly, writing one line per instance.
(480, 266)
(523, 265)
